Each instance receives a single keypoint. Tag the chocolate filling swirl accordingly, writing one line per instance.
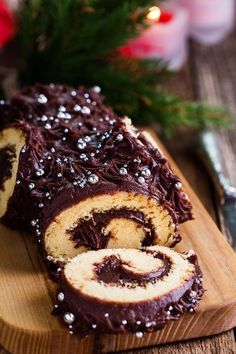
(7, 155)
(114, 270)
(89, 233)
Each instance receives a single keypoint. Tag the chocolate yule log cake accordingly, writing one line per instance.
(127, 290)
(83, 178)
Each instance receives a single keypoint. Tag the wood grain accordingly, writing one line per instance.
(26, 299)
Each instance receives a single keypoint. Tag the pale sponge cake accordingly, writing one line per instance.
(12, 141)
(87, 178)
(127, 290)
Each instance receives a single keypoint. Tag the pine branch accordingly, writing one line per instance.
(76, 41)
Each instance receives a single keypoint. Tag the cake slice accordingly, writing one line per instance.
(12, 141)
(88, 179)
(127, 290)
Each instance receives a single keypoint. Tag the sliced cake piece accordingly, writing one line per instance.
(88, 179)
(12, 141)
(127, 290)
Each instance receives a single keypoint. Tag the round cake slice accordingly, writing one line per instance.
(127, 290)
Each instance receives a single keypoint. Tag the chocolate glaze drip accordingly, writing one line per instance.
(7, 155)
(89, 233)
(112, 270)
(145, 316)
(71, 135)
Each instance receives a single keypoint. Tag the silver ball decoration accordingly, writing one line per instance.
(97, 89)
(81, 145)
(141, 180)
(178, 185)
(31, 186)
(139, 334)
(69, 317)
(146, 172)
(60, 296)
(123, 171)
(119, 137)
(42, 99)
(93, 179)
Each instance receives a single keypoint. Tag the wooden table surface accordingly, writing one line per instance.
(209, 76)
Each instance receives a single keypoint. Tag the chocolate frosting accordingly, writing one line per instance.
(146, 316)
(70, 137)
(7, 155)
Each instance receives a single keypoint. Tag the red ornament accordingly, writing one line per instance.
(7, 24)
(165, 17)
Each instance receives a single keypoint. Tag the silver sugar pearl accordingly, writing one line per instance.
(67, 116)
(141, 180)
(18, 181)
(47, 126)
(44, 118)
(94, 325)
(87, 139)
(138, 322)
(41, 205)
(193, 293)
(81, 145)
(38, 233)
(178, 185)
(96, 89)
(31, 186)
(86, 95)
(62, 109)
(77, 108)
(71, 332)
(60, 296)
(85, 110)
(64, 138)
(69, 317)
(33, 222)
(148, 324)
(146, 172)
(93, 179)
(123, 171)
(119, 137)
(53, 149)
(191, 310)
(42, 99)
(59, 175)
(66, 130)
(124, 322)
(83, 156)
(106, 315)
(73, 93)
(39, 172)
(139, 334)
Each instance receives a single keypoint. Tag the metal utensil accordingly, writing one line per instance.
(208, 148)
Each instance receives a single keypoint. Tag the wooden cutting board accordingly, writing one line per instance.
(26, 294)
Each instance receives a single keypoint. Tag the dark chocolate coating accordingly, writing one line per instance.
(7, 155)
(146, 316)
(71, 134)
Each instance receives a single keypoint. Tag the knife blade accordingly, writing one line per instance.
(208, 148)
